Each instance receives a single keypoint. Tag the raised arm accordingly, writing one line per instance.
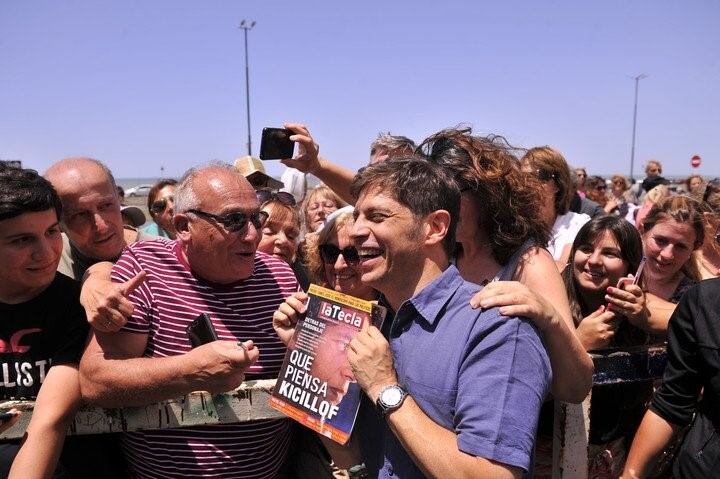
(336, 177)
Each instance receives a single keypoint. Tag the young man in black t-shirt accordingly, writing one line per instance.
(42, 325)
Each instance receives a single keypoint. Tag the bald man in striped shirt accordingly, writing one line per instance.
(213, 268)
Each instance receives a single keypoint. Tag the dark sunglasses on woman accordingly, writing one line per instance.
(158, 206)
(329, 254)
(283, 197)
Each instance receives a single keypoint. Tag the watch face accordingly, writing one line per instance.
(392, 396)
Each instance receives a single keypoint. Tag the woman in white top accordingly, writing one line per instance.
(553, 173)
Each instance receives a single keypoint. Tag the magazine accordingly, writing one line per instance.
(316, 386)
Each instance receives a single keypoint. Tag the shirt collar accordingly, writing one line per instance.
(431, 300)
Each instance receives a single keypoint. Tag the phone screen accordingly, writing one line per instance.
(276, 144)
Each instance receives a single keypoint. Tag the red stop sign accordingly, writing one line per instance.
(695, 161)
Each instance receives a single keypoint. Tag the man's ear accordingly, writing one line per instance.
(182, 226)
(437, 225)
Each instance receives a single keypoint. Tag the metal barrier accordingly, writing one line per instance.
(250, 403)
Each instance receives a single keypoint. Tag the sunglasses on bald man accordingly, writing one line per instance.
(235, 221)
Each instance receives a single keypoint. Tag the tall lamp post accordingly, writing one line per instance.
(632, 150)
(246, 25)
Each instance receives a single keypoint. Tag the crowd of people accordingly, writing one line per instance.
(501, 269)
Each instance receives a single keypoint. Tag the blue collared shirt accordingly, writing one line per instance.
(475, 372)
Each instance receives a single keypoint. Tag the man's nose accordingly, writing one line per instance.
(99, 222)
(250, 232)
(43, 250)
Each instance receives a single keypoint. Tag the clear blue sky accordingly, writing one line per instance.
(140, 84)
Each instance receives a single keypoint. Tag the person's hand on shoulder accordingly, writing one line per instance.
(515, 299)
(287, 315)
(306, 159)
(220, 365)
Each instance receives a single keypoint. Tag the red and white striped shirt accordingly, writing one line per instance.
(169, 299)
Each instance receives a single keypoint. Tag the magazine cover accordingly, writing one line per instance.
(316, 386)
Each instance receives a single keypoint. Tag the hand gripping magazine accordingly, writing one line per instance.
(316, 386)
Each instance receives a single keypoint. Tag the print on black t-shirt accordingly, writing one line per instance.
(49, 329)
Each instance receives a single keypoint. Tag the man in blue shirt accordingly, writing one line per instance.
(456, 391)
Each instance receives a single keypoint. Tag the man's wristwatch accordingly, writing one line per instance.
(390, 398)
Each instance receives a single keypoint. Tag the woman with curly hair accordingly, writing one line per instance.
(501, 245)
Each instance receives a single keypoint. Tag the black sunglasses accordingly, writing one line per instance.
(283, 197)
(235, 221)
(159, 206)
(329, 253)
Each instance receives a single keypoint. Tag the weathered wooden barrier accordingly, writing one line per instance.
(247, 403)
(250, 403)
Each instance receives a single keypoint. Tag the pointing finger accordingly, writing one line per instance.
(130, 285)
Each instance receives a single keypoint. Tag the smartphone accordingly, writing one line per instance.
(276, 144)
(637, 277)
(201, 331)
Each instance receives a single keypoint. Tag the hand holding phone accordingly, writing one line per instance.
(276, 144)
(201, 331)
(636, 278)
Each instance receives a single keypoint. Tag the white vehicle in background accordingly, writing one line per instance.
(140, 190)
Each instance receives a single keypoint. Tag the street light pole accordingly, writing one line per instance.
(247, 25)
(632, 150)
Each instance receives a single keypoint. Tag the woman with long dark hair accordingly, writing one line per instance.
(608, 307)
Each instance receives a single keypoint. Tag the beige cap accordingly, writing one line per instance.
(254, 170)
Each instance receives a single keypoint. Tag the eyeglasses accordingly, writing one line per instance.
(283, 197)
(329, 254)
(159, 206)
(545, 175)
(601, 187)
(235, 221)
